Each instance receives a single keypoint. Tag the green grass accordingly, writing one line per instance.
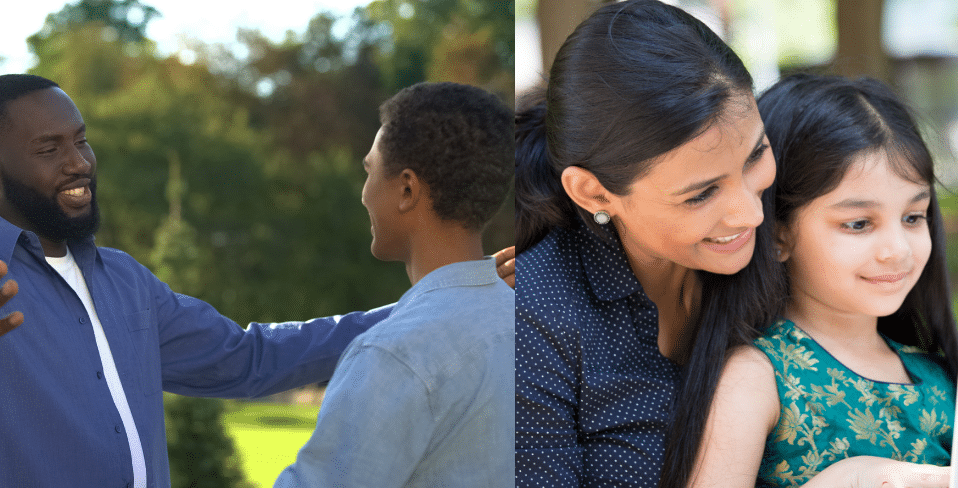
(267, 436)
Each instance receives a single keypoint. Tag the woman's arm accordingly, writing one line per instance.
(548, 452)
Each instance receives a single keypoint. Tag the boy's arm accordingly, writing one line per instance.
(373, 428)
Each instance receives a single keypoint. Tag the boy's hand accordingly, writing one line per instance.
(506, 265)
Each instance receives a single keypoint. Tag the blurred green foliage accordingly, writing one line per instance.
(238, 181)
(201, 454)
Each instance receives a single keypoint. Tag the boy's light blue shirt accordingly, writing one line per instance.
(426, 398)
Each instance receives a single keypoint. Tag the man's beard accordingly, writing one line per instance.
(45, 214)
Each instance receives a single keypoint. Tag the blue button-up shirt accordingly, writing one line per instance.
(593, 392)
(425, 398)
(59, 426)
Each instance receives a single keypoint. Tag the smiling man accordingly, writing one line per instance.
(80, 392)
(426, 398)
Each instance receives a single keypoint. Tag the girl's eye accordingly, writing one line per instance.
(702, 197)
(915, 219)
(857, 225)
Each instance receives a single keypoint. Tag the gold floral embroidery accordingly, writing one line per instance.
(875, 414)
(937, 396)
(864, 425)
(906, 394)
(790, 423)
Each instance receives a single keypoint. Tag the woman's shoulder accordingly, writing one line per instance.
(552, 267)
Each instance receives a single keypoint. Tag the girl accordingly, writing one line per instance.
(855, 383)
(640, 175)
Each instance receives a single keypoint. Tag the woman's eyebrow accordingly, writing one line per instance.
(701, 185)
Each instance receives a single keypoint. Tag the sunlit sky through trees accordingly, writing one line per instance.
(210, 21)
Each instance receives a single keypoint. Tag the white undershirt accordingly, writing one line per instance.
(70, 272)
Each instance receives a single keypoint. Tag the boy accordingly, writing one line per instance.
(426, 397)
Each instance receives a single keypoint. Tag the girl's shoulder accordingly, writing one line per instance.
(925, 368)
(748, 362)
(782, 333)
(790, 349)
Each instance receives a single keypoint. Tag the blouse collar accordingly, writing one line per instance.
(606, 264)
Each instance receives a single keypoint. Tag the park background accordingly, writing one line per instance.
(233, 171)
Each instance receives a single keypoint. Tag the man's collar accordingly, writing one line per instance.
(465, 273)
(10, 234)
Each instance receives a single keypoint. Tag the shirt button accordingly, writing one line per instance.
(129, 485)
(81, 320)
(99, 375)
(117, 428)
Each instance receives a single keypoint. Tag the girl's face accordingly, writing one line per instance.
(700, 204)
(858, 250)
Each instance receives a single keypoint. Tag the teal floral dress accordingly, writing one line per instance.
(830, 413)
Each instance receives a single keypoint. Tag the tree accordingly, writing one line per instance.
(201, 454)
(860, 50)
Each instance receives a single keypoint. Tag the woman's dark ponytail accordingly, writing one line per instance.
(541, 202)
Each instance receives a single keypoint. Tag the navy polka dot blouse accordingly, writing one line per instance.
(593, 392)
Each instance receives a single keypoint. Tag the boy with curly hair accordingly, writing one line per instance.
(426, 397)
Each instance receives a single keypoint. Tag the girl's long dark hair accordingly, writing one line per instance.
(634, 81)
(818, 126)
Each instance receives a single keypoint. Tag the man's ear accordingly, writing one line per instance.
(410, 188)
(585, 190)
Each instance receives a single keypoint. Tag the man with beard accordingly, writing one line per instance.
(81, 399)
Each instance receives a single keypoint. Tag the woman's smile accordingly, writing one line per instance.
(729, 244)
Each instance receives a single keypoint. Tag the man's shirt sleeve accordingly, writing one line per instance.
(375, 423)
(203, 353)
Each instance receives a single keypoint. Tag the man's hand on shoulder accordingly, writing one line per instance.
(506, 265)
(8, 291)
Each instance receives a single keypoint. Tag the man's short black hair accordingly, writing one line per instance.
(15, 86)
(459, 140)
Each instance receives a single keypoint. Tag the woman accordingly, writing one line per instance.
(640, 174)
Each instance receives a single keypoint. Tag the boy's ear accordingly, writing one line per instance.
(410, 188)
(784, 242)
(585, 190)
